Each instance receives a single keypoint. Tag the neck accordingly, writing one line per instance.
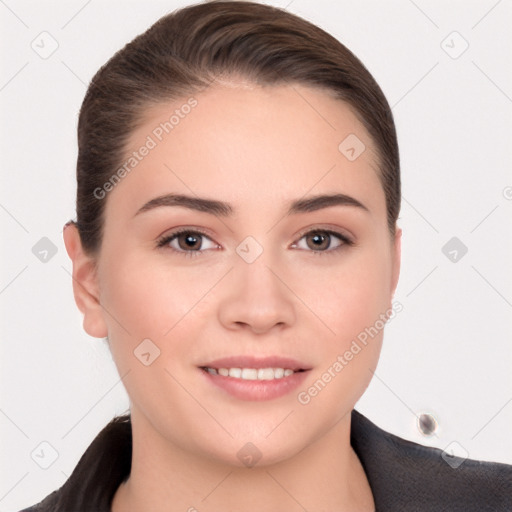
(326, 475)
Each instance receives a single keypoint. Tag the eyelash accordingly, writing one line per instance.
(344, 239)
(164, 242)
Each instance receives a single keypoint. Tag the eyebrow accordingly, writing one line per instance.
(319, 202)
(193, 203)
(223, 209)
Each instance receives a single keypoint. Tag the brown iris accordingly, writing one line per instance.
(189, 241)
(318, 241)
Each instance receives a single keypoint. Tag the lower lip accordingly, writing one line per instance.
(257, 390)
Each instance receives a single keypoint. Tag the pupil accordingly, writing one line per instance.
(319, 241)
(190, 242)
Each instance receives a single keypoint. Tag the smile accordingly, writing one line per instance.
(252, 373)
(255, 378)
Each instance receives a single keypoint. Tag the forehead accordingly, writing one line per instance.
(243, 143)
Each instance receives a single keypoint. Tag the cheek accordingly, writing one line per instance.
(349, 296)
(353, 306)
(351, 299)
(167, 304)
(157, 303)
(149, 300)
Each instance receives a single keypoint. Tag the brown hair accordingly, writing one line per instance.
(183, 52)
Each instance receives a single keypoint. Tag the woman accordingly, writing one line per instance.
(238, 193)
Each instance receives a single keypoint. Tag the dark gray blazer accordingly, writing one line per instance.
(403, 476)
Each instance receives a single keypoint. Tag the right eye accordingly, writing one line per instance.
(187, 241)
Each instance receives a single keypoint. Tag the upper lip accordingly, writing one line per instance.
(256, 362)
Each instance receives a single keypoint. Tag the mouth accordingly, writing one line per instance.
(252, 373)
(256, 379)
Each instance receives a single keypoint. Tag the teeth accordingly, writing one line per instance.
(252, 373)
(249, 374)
(266, 374)
(235, 372)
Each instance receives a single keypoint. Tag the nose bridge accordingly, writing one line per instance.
(257, 298)
(254, 262)
(258, 277)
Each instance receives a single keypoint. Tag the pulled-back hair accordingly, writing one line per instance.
(184, 52)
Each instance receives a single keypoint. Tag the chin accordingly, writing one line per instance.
(251, 451)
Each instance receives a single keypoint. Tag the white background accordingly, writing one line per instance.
(447, 353)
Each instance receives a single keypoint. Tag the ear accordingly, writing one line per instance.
(397, 256)
(85, 283)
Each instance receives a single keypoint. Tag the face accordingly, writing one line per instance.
(245, 243)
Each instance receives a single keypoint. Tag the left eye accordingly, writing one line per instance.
(321, 241)
(189, 241)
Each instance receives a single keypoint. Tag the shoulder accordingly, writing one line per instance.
(403, 475)
(45, 505)
(102, 468)
(408, 476)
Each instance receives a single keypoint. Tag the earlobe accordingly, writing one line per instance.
(397, 255)
(85, 283)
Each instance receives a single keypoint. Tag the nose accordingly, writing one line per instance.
(256, 300)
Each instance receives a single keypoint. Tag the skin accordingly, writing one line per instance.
(258, 149)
